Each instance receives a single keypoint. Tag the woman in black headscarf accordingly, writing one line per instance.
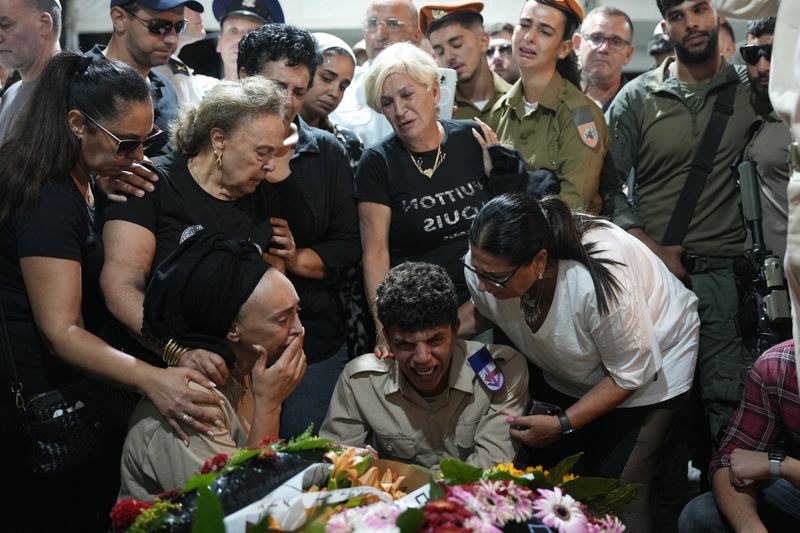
(217, 294)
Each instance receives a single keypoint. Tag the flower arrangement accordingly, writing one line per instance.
(498, 499)
(464, 498)
(225, 480)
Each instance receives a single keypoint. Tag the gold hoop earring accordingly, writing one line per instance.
(218, 161)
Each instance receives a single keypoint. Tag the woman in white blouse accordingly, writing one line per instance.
(612, 331)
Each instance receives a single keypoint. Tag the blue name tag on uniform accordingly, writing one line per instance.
(486, 369)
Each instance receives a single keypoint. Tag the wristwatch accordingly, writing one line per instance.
(775, 459)
(566, 425)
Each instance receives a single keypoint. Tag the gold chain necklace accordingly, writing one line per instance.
(428, 172)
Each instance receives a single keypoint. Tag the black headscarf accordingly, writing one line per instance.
(196, 292)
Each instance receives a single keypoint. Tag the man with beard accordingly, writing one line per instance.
(769, 147)
(604, 46)
(145, 35)
(659, 122)
(459, 42)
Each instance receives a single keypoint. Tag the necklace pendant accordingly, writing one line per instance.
(428, 172)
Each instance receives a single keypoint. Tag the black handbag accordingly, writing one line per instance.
(69, 426)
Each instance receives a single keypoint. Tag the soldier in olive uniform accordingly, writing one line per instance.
(658, 121)
(439, 396)
(459, 42)
(545, 115)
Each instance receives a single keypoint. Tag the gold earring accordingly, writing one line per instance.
(218, 161)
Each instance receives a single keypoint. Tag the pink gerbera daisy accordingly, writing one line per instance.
(560, 511)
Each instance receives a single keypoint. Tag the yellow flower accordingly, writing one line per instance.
(568, 477)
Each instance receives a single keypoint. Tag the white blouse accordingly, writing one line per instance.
(647, 341)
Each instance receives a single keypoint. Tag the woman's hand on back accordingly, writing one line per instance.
(208, 363)
(535, 431)
(136, 181)
(488, 138)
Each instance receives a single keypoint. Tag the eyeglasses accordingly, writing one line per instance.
(392, 24)
(503, 49)
(753, 53)
(499, 283)
(162, 27)
(596, 40)
(125, 147)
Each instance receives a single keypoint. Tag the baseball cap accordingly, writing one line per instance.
(267, 11)
(162, 5)
(432, 15)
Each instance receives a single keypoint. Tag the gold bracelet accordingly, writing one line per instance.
(172, 352)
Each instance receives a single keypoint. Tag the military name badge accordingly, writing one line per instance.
(487, 370)
(587, 129)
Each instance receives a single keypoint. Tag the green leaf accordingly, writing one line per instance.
(209, 517)
(583, 488)
(242, 456)
(261, 527)
(435, 490)
(354, 502)
(312, 443)
(200, 480)
(457, 472)
(410, 520)
(615, 501)
(563, 468)
(363, 465)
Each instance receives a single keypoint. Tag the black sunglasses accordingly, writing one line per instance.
(751, 54)
(161, 27)
(125, 147)
(504, 49)
(499, 283)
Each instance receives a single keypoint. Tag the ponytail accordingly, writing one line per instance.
(516, 226)
(567, 243)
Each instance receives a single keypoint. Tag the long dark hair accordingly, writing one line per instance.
(41, 145)
(516, 226)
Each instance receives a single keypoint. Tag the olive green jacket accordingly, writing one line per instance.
(656, 132)
(467, 110)
(566, 133)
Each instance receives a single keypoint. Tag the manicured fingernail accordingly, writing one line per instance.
(218, 422)
(186, 443)
(149, 187)
(509, 419)
(212, 385)
(210, 433)
(139, 193)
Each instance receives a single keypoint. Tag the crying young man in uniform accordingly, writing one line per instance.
(436, 396)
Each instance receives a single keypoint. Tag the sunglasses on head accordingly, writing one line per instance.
(125, 147)
(751, 54)
(161, 27)
(503, 49)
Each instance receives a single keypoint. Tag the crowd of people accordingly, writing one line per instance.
(567, 265)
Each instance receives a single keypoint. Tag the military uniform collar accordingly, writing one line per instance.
(458, 379)
(661, 78)
(549, 98)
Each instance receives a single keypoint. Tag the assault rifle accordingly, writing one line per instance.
(774, 321)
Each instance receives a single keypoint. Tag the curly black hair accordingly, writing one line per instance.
(762, 26)
(416, 297)
(278, 42)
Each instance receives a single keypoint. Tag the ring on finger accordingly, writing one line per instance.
(186, 418)
(747, 482)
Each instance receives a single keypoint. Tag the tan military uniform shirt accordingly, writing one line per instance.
(566, 133)
(155, 460)
(374, 404)
(467, 110)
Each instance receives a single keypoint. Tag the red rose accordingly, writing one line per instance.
(125, 512)
(214, 464)
(268, 441)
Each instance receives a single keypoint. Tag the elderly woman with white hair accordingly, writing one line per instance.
(419, 189)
